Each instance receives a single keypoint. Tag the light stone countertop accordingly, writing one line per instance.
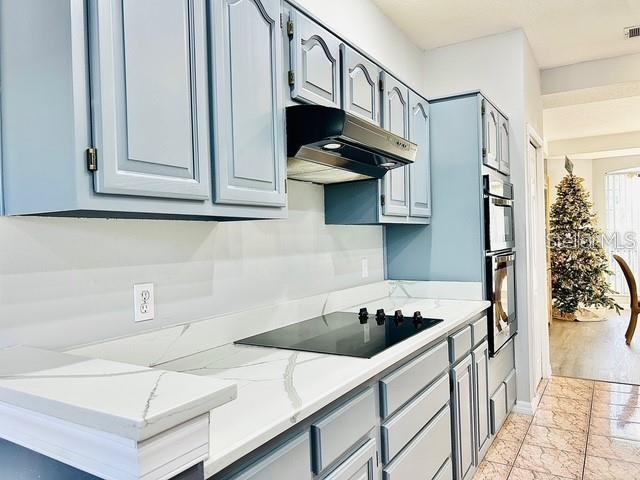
(126, 400)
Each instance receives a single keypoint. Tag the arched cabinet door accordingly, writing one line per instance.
(505, 164)
(149, 89)
(361, 94)
(490, 126)
(420, 170)
(247, 105)
(395, 118)
(314, 57)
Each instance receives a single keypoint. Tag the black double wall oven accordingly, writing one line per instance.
(500, 267)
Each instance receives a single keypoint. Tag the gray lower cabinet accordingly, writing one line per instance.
(426, 453)
(481, 397)
(149, 96)
(361, 465)
(314, 62)
(248, 115)
(462, 407)
(290, 461)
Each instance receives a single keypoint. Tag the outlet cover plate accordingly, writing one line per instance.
(143, 302)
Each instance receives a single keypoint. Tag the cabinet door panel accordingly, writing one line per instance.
(291, 460)
(481, 386)
(395, 118)
(505, 164)
(248, 110)
(361, 95)
(462, 375)
(420, 170)
(490, 126)
(149, 89)
(359, 466)
(314, 54)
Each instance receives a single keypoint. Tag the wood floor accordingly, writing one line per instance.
(595, 350)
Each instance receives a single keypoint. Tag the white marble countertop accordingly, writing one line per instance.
(277, 388)
(129, 401)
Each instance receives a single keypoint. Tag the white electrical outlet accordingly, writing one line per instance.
(143, 302)
(365, 267)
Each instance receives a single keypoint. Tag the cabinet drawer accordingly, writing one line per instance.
(498, 409)
(426, 453)
(511, 387)
(399, 387)
(501, 365)
(289, 461)
(479, 330)
(341, 429)
(402, 427)
(460, 344)
(446, 472)
(360, 465)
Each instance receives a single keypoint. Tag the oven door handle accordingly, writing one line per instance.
(504, 258)
(501, 202)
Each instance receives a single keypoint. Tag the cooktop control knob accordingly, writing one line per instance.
(380, 316)
(363, 315)
(417, 319)
(398, 317)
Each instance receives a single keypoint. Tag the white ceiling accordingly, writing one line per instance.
(560, 32)
(592, 119)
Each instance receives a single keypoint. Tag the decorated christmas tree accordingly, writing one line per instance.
(579, 265)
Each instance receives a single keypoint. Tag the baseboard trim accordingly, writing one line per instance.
(526, 408)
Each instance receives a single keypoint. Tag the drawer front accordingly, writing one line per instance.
(289, 461)
(460, 344)
(426, 453)
(359, 466)
(402, 385)
(341, 429)
(446, 472)
(479, 330)
(501, 365)
(402, 427)
(510, 385)
(498, 409)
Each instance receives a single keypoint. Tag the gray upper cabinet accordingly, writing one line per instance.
(360, 91)
(503, 135)
(314, 61)
(395, 118)
(248, 108)
(463, 418)
(490, 129)
(149, 97)
(420, 171)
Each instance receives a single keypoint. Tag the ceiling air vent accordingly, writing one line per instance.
(631, 32)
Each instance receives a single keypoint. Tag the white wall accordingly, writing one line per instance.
(503, 68)
(66, 281)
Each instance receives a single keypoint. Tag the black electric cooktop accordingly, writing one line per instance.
(345, 333)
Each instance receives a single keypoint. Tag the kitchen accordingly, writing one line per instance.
(325, 325)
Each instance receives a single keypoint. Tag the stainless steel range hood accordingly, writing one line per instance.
(329, 145)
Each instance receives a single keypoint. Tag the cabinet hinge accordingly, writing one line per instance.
(281, 21)
(483, 108)
(484, 152)
(92, 159)
(382, 199)
(286, 185)
(292, 77)
(290, 28)
(381, 85)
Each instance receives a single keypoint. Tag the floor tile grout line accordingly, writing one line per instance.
(584, 460)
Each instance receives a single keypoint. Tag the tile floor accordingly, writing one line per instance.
(582, 429)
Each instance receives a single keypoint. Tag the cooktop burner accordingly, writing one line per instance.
(345, 333)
